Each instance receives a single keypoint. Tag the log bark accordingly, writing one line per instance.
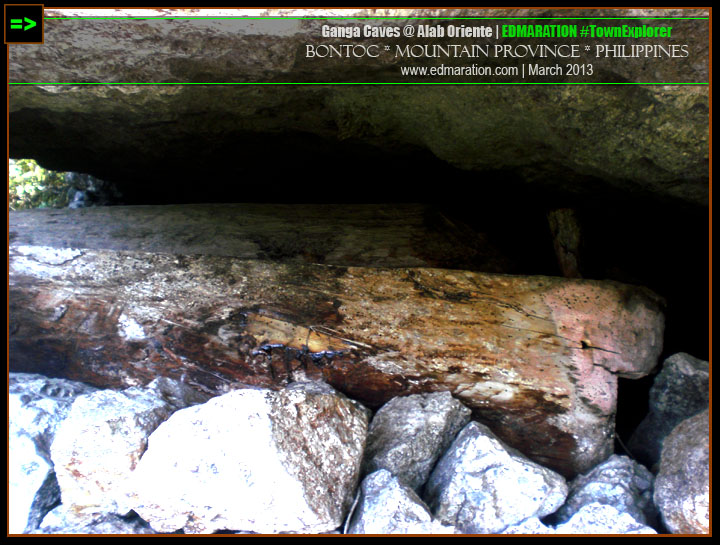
(535, 358)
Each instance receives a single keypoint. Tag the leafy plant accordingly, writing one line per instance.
(31, 186)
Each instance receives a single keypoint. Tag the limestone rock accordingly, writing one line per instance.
(408, 434)
(36, 406)
(680, 390)
(362, 235)
(618, 481)
(481, 486)
(33, 488)
(104, 435)
(254, 460)
(387, 506)
(529, 526)
(591, 518)
(682, 487)
(64, 520)
(141, 134)
(601, 518)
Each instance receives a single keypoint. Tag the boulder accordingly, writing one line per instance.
(408, 434)
(103, 437)
(254, 460)
(33, 488)
(36, 406)
(480, 486)
(591, 518)
(387, 506)
(64, 520)
(618, 481)
(602, 518)
(680, 390)
(682, 486)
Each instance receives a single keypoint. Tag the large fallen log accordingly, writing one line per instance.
(535, 358)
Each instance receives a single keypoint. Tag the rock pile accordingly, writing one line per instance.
(307, 459)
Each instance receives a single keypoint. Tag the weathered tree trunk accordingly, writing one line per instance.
(536, 358)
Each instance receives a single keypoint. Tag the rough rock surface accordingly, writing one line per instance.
(104, 435)
(682, 487)
(680, 390)
(64, 520)
(536, 358)
(620, 482)
(601, 518)
(591, 518)
(653, 138)
(480, 486)
(33, 488)
(254, 460)
(408, 434)
(387, 506)
(362, 235)
(36, 406)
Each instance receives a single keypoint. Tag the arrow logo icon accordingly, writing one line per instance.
(17, 24)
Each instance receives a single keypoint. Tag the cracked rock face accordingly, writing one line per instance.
(680, 390)
(104, 435)
(619, 482)
(36, 407)
(646, 140)
(482, 487)
(254, 460)
(408, 434)
(387, 506)
(682, 487)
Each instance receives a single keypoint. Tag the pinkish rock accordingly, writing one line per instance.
(534, 358)
(682, 487)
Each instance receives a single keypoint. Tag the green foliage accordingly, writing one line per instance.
(31, 186)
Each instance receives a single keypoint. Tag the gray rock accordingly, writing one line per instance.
(254, 460)
(680, 390)
(100, 442)
(599, 518)
(36, 406)
(682, 487)
(482, 486)
(591, 518)
(63, 520)
(408, 434)
(33, 488)
(387, 506)
(529, 526)
(644, 139)
(620, 482)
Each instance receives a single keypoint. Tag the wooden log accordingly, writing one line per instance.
(535, 358)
